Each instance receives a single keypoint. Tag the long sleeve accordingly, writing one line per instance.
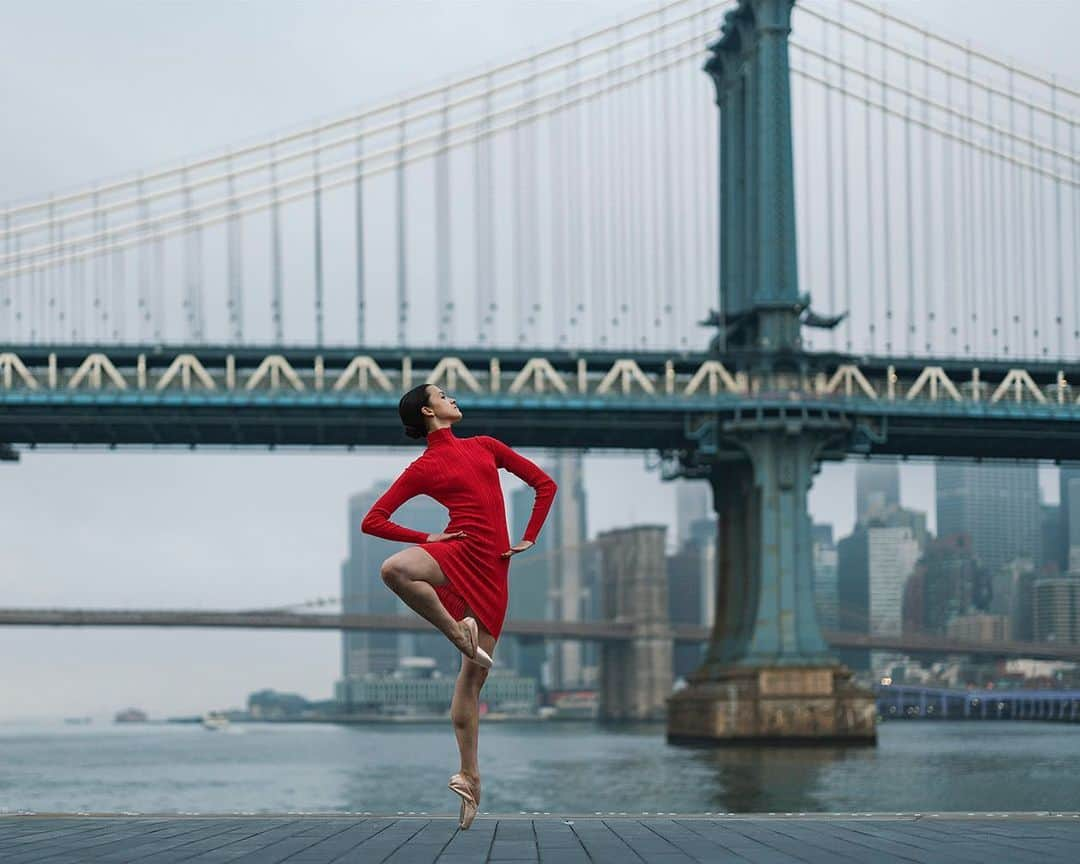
(532, 474)
(377, 521)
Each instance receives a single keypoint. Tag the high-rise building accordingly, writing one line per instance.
(693, 501)
(997, 506)
(691, 590)
(948, 581)
(363, 591)
(825, 576)
(1014, 596)
(1069, 523)
(1053, 551)
(873, 567)
(550, 580)
(1056, 610)
(877, 488)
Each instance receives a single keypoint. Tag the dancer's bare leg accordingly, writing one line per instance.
(465, 709)
(410, 574)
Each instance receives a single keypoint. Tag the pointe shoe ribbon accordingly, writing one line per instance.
(480, 656)
(469, 805)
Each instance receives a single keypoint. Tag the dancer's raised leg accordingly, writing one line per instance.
(410, 574)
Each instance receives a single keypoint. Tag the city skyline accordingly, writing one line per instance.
(144, 528)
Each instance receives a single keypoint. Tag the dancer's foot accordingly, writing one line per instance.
(468, 788)
(471, 647)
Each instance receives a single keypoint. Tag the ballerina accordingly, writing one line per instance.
(457, 579)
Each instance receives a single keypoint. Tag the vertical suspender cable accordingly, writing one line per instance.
(575, 205)
(234, 245)
(830, 192)
(989, 256)
(530, 221)
(1019, 242)
(597, 230)
(1036, 221)
(317, 201)
(929, 337)
(358, 203)
(516, 305)
(1059, 254)
(402, 275)
(276, 276)
(885, 192)
(803, 202)
(482, 184)
(671, 282)
(948, 246)
(845, 169)
(870, 222)
(969, 209)
(443, 305)
(1076, 231)
(703, 292)
(143, 263)
(1039, 203)
(650, 308)
(557, 188)
(48, 279)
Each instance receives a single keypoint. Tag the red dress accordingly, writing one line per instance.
(462, 474)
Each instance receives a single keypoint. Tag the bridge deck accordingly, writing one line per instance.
(1015, 837)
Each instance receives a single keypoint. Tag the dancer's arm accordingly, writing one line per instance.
(532, 474)
(377, 521)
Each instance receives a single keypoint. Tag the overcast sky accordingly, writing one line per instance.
(95, 90)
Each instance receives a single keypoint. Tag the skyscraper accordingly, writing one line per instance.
(693, 501)
(826, 575)
(873, 567)
(550, 579)
(363, 591)
(997, 506)
(1069, 537)
(877, 488)
(691, 589)
(948, 582)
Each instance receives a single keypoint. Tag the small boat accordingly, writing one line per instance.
(215, 720)
(78, 721)
(130, 715)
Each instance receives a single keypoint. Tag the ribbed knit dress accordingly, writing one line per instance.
(462, 474)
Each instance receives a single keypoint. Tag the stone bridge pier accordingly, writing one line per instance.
(635, 675)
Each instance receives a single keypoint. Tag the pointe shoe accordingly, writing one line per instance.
(481, 657)
(469, 804)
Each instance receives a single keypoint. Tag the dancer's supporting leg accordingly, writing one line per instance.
(410, 574)
(465, 709)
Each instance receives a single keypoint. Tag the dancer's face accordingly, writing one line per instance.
(442, 406)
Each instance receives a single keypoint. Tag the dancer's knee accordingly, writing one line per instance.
(391, 574)
(472, 677)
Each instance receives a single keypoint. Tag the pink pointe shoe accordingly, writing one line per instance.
(481, 658)
(459, 783)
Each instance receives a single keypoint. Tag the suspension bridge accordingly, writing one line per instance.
(572, 239)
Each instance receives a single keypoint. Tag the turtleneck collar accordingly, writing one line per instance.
(437, 437)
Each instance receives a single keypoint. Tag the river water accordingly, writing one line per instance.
(531, 767)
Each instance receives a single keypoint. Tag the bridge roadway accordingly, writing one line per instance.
(594, 631)
(202, 396)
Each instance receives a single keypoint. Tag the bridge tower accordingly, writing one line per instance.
(768, 673)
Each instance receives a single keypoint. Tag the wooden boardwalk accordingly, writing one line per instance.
(665, 839)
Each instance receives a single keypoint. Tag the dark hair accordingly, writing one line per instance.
(409, 409)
